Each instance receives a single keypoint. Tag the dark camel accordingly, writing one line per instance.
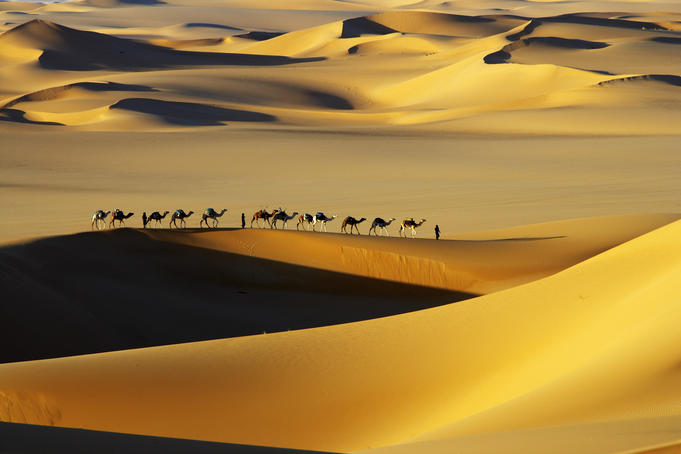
(353, 223)
(118, 215)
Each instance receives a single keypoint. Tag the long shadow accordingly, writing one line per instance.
(189, 113)
(96, 292)
(31, 439)
(80, 50)
(54, 92)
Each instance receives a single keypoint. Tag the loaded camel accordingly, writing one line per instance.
(381, 224)
(181, 215)
(158, 217)
(352, 222)
(119, 216)
(264, 215)
(322, 219)
(282, 216)
(410, 223)
(304, 219)
(210, 213)
(99, 216)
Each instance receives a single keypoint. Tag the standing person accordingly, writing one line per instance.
(144, 220)
(437, 232)
(243, 221)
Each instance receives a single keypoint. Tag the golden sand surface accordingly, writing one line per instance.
(542, 137)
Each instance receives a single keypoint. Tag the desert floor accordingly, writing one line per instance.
(541, 136)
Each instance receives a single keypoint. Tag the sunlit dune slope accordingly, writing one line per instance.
(650, 435)
(507, 73)
(592, 343)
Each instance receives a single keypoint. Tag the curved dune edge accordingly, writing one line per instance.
(595, 342)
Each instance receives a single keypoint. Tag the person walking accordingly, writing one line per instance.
(437, 232)
(144, 220)
(243, 221)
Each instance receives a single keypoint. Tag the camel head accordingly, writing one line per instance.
(362, 220)
(422, 221)
(224, 210)
(129, 215)
(165, 213)
(106, 213)
(189, 214)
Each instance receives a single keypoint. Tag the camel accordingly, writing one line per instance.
(158, 217)
(410, 223)
(282, 216)
(264, 215)
(323, 219)
(99, 216)
(210, 213)
(181, 215)
(119, 216)
(352, 222)
(304, 219)
(381, 224)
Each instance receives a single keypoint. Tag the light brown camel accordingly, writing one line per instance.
(119, 216)
(352, 222)
(304, 219)
(210, 213)
(282, 216)
(158, 217)
(410, 223)
(99, 216)
(264, 215)
(381, 224)
(181, 215)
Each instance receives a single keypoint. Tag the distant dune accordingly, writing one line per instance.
(425, 69)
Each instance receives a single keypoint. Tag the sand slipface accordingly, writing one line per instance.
(557, 335)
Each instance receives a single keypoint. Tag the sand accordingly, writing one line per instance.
(540, 136)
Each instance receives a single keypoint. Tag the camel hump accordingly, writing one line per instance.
(209, 211)
(409, 220)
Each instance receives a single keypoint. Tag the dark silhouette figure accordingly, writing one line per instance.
(144, 220)
(437, 232)
(243, 221)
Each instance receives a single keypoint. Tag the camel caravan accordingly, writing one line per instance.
(262, 218)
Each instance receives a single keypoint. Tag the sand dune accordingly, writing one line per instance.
(558, 336)
(397, 58)
(357, 278)
(503, 361)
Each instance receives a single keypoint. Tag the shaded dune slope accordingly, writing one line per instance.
(32, 439)
(65, 48)
(602, 332)
(138, 291)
